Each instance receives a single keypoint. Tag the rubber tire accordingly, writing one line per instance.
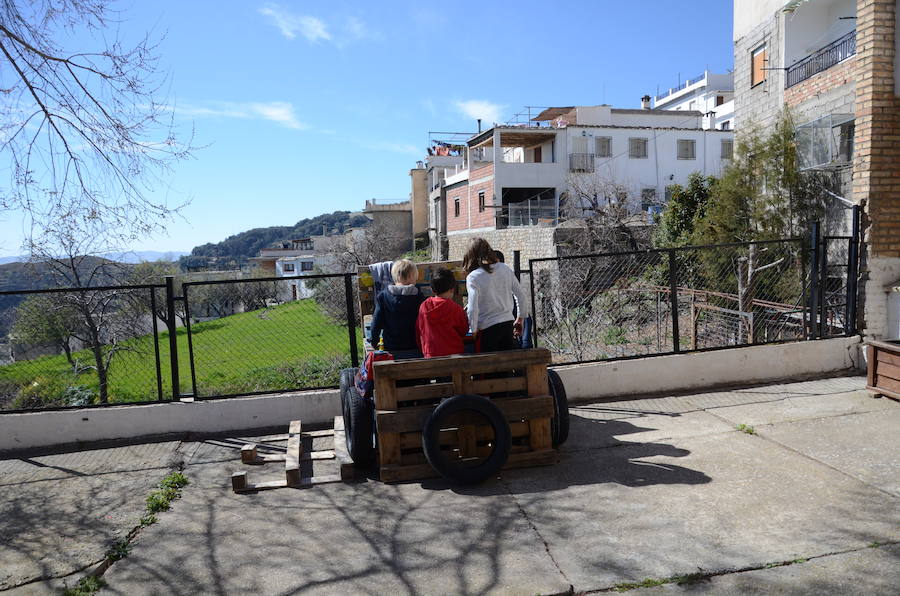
(346, 381)
(559, 424)
(359, 426)
(454, 471)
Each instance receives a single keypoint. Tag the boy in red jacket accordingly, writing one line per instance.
(442, 323)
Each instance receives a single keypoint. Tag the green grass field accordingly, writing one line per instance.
(293, 345)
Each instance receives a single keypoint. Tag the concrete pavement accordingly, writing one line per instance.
(648, 489)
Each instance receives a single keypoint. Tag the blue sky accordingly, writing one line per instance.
(308, 107)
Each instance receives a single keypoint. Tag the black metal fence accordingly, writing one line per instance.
(835, 52)
(611, 306)
(208, 339)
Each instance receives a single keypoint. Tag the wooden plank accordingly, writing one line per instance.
(238, 481)
(539, 437)
(268, 458)
(413, 440)
(248, 453)
(413, 419)
(485, 386)
(385, 392)
(870, 358)
(302, 483)
(429, 391)
(885, 356)
(316, 434)
(348, 470)
(400, 473)
(536, 374)
(482, 452)
(885, 369)
(467, 440)
(884, 392)
(887, 383)
(292, 456)
(445, 366)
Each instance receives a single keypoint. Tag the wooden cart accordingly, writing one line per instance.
(408, 391)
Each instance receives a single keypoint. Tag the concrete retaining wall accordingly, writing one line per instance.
(645, 376)
(42, 429)
(704, 370)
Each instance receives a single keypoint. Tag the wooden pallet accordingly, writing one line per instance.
(884, 368)
(292, 456)
(407, 391)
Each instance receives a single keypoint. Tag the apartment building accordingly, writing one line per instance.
(833, 63)
(514, 177)
(293, 259)
(710, 93)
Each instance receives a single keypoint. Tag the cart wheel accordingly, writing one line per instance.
(358, 426)
(347, 379)
(461, 471)
(559, 424)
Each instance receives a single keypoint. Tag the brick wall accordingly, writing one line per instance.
(458, 222)
(832, 90)
(758, 105)
(876, 167)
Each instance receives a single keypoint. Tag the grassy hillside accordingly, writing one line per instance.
(293, 345)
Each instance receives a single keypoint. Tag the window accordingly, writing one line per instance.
(456, 207)
(480, 201)
(306, 266)
(637, 148)
(720, 99)
(288, 267)
(845, 142)
(603, 146)
(726, 125)
(758, 63)
(580, 145)
(727, 149)
(687, 149)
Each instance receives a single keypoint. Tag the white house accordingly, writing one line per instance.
(711, 94)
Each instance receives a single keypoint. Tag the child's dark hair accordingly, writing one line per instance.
(442, 280)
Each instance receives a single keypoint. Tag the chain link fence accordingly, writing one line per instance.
(78, 347)
(622, 305)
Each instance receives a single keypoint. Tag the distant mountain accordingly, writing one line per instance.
(121, 257)
(235, 250)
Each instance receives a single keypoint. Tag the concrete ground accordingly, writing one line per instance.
(657, 491)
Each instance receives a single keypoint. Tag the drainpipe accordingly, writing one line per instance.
(656, 159)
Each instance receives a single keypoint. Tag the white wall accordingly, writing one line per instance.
(41, 429)
(814, 25)
(749, 13)
(704, 370)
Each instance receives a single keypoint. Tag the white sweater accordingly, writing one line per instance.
(491, 296)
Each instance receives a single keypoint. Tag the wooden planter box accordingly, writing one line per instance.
(407, 391)
(884, 368)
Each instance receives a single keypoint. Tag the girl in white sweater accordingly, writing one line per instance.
(492, 286)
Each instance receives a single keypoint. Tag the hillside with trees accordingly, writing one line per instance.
(234, 251)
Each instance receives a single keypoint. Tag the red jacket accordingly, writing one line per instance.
(440, 328)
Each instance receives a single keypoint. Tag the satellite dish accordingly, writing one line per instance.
(560, 123)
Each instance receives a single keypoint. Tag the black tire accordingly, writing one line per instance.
(456, 471)
(559, 424)
(358, 425)
(346, 381)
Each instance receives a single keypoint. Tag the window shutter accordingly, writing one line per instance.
(758, 65)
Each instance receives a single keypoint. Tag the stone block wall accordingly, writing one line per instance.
(760, 104)
(534, 242)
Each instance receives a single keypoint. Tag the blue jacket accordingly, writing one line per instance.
(396, 310)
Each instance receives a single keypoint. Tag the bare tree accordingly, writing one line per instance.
(83, 132)
(364, 246)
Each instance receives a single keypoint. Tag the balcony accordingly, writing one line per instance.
(835, 52)
(581, 162)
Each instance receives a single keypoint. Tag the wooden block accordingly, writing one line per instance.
(539, 434)
(537, 379)
(388, 448)
(348, 470)
(248, 453)
(318, 455)
(238, 481)
(413, 419)
(292, 456)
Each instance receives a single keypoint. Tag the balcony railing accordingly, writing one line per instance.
(835, 52)
(581, 162)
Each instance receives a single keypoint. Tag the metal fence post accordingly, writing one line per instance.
(813, 280)
(351, 320)
(823, 287)
(173, 339)
(852, 273)
(673, 299)
(517, 264)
